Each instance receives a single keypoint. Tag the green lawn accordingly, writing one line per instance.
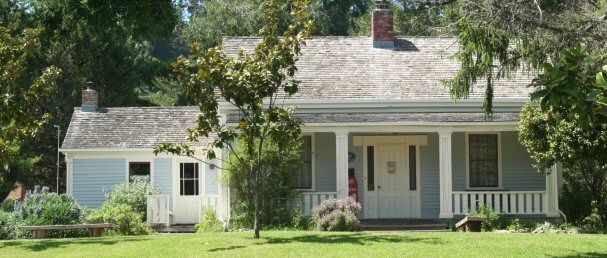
(317, 244)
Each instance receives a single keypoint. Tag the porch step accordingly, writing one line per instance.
(405, 225)
(175, 229)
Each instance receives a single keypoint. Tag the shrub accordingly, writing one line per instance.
(8, 226)
(593, 221)
(337, 215)
(575, 199)
(515, 225)
(299, 220)
(133, 194)
(127, 220)
(40, 207)
(492, 221)
(209, 221)
(8, 205)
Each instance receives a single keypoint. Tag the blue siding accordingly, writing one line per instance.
(518, 173)
(211, 179)
(163, 177)
(92, 176)
(429, 178)
(324, 157)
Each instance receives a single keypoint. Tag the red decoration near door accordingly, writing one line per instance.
(352, 187)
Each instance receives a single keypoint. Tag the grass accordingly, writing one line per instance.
(316, 244)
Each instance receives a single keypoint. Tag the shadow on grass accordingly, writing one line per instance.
(226, 248)
(353, 238)
(41, 245)
(584, 255)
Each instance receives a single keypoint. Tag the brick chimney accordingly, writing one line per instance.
(383, 25)
(90, 100)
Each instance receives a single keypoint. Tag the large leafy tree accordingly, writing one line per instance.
(105, 42)
(499, 38)
(21, 92)
(561, 125)
(253, 81)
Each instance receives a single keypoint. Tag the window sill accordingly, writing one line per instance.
(311, 190)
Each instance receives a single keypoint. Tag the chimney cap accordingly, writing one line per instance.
(381, 4)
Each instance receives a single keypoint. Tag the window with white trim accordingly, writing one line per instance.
(483, 163)
(139, 171)
(304, 176)
(188, 179)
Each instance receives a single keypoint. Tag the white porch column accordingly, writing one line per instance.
(552, 191)
(341, 163)
(444, 143)
(69, 173)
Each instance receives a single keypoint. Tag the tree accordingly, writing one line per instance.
(254, 82)
(561, 125)
(499, 38)
(105, 42)
(21, 92)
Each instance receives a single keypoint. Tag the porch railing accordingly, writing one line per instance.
(158, 210)
(311, 199)
(510, 202)
(211, 200)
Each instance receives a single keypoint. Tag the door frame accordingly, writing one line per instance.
(407, 140)
(177, 186)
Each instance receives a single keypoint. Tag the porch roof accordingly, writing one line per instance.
(319, 118)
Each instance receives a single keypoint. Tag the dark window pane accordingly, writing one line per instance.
(139, 170)
(370, 168)
(304, 177)
(412, 168)
(189, 178)
(483, 160)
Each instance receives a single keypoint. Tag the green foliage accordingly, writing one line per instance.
(253, 82)
(492, 221)
(127, 220)
(8, 226)
(499, 38)
(575, 199)
(593, 221)
(22, 92)
(276, 192)
(515, 225)
(337, 215)
(133, 194)
(300, 221)
(40, 207)
(209, 221)
(576, 142)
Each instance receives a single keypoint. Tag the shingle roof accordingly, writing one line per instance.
(350, 68)
(130, 127)
(319, 118)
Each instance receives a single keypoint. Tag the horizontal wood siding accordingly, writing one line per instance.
(93, 176)
(518, 173)
(325, 162)
(429, 181)
(211, 179)
(163, 177)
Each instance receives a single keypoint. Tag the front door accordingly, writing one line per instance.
(392, 181)
(395, 173)
(187, 193)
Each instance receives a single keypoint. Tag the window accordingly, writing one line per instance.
(412, 168)
(304, 177)
(370, 168)
(139, 170)
(483, 160)
(189, 180)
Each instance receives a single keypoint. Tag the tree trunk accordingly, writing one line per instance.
(3, 195)
(256, 223)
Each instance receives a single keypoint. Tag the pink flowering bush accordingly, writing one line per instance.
(337, 215)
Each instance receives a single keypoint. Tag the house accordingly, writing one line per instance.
(374, 107)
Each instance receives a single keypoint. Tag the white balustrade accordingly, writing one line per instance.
(311, 199)
(158, 210)
(510, 202)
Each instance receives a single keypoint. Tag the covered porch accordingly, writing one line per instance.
(435, 162)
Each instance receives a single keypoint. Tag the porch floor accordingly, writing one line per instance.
(406, 225)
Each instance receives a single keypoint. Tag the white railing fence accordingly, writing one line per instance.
(311, 199)
(511, 202)
(209, 201)
(158, 210)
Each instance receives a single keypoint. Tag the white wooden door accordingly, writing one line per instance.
(391, 187)
(187, 191)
